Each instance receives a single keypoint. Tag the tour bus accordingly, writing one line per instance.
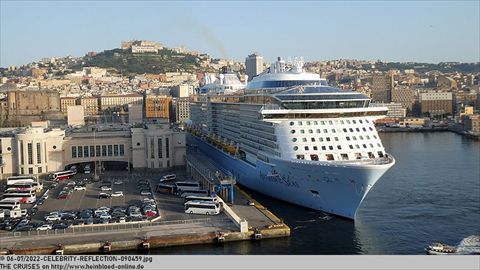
(193, 192)
(62, 175)
(179, 186)
(202, 198)
(37, 186)
(20, 179)
(9, 204)
(20, 196)
(164, 188)
(203, 208)
(168, 177)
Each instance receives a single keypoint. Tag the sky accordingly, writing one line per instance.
(425, 31)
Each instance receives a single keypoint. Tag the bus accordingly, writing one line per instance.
(202, 198)
(193, 192)
(203, 208)
(186, 185)
(37, 186)
(9, 204)
(20, 196)
(20, 179)
(164, 188)
(62, 175)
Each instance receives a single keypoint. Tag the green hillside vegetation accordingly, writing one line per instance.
(125, 62)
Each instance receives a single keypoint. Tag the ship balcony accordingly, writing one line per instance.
(387, 159)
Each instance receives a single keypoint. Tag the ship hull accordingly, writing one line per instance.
(334, 188)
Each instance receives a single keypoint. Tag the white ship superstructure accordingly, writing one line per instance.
(312, 145)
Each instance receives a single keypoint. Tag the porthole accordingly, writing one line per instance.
(9, 148)
(138, 144)
(54, 147)
(292, 131)
(292, 123)
(294, 139)
(295, 148)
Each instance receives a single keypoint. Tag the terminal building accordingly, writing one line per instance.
(38, 149)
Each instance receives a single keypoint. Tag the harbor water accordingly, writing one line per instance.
(432, 194)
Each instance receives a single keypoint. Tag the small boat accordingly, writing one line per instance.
(440, 249)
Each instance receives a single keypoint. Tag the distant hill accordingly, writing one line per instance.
(125, 62)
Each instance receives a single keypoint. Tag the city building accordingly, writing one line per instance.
(181, 108)
(39, 150)
(382, 86)
(135, 113)
(157, 106)
(436, 103)
(253, 65)
(182, 90)
(90, 105)
(471, 123)
(405, 96)
(114, 101)
(75, 115)
(66, 102)
(395, 110)
(24, 106)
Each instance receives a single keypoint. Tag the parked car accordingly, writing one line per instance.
(44, 227)
(68, 216)
(71, 184)
(40, 201)
(104, 196)
(122, 220)
(145, 192)
(79, 188)
(60, 226)
(118, 182)
(24, 228)
(150, 213)
(105, 188)
(53, 218)
(105, 216)
(135, 214)
(117, 194)
(63, 196)
(45, 196)
(23, 222)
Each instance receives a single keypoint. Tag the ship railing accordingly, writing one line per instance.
(375, 161)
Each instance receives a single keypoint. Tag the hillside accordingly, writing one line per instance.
(123, 61)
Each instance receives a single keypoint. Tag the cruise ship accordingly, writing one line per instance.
(290, 136)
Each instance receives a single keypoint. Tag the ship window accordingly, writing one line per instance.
(354, 138)
(361, 137)
(344, 130)
(304, 139)
(315, 122)
(358, 155)
(308, 123)
(310, 131)
(330, 147)
(370, 155)
(313, 139)
(292, 131)
(348, 138)
(364, 129)
(342, 122)
(370, 128)
(364, 146)
(380, 154)
(314, 157)
(306, 148)
(348, 121)
(299, 123)
(374, 136)
(294, 139)
(351, 146)
(328, 139)
(333, 130)
(351, 129)
(354, 121)
(300, 157)
(344, 156)
(292, 123)
(358, 146)
(322, 122)
(357, 129)
(321, 139)
(325, 131)
(371, 145)
(315, 148)
(379, 145)
(302, 131)
(318, 130)
(329, 157)
(366, 120)
(336, 139)
(339, 147)
(368, 137)
(324, 148)
(361, 122)
(295, 148)
(330, 122)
